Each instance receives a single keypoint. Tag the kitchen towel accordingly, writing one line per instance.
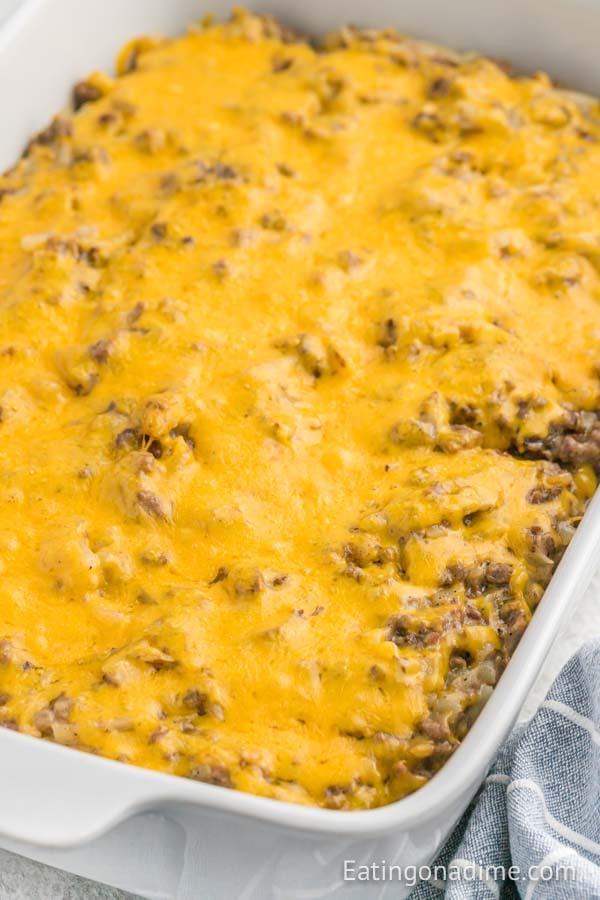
(538, 810)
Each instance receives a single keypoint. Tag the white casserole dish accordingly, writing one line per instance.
(56, 797)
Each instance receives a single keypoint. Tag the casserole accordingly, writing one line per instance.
(422, 819)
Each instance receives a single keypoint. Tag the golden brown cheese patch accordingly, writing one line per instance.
(298, 403)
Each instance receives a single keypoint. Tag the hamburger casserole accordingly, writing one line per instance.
(299, 399)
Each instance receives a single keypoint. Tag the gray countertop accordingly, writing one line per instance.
(23, 879)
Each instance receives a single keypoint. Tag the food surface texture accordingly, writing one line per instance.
(299, 392)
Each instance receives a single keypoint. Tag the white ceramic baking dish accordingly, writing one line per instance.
(55, 797)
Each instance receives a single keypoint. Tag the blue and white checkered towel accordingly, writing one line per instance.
(539, 808)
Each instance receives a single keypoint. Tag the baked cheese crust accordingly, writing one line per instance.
(299, 398)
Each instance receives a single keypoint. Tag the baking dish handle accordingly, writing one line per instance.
(53, 796)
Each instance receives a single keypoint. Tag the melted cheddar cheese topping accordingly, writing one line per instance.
(298, 388)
